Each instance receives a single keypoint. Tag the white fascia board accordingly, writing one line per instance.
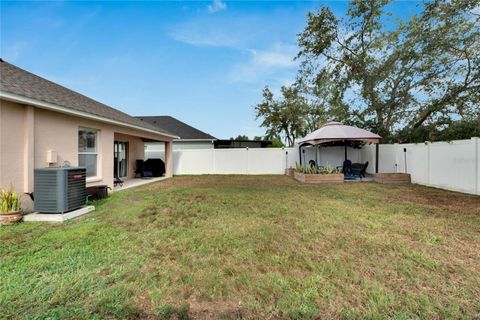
(50, 106)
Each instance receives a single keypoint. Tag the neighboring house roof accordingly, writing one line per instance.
(177, 127)
(16, 83)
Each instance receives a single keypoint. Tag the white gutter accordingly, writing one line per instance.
(50, 106)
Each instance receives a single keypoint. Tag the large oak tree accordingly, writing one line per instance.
(407, 80)
(395, 78)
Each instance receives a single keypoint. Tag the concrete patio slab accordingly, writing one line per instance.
(57, 217)
(130, 183)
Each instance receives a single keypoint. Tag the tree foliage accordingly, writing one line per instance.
(403, 79)
(240, 137)
(453, 130)
(394, 80)
(284, 117)
(277, 143)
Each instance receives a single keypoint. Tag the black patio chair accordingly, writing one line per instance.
(359, 169)
(117, 181)
(364, 170)
(346, 168)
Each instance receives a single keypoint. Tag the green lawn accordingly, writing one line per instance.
(250, 247)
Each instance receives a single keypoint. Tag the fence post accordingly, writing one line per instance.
(214, 154)
(476, 160)
(397, 162)
(427, 146)
(246, 150)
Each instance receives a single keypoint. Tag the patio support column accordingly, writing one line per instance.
(29, 150)
(168, 159)
(376, 157)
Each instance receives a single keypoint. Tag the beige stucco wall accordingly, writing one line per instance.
(49, 124)
(58, 132)
(12, 125)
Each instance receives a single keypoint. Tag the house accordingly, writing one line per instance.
(190, 137)
(43, 124)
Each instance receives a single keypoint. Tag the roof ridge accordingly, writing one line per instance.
(64, 87)
(30, 85)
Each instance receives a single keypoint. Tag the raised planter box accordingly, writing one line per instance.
(290, 172)
(319, 178)
(392, 178)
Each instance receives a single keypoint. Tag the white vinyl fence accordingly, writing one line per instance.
(231, 161)
(451, 165)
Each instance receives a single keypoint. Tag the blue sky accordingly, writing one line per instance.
(204, 63)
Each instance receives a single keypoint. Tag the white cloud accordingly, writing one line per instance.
(221, 31)
(196, 36)
(263, 63)
(15, 50)
(216, 6)
(281, 57)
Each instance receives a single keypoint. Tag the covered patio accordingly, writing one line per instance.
(129, 166)
(339, 146)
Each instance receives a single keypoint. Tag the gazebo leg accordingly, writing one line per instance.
(376, 157)
(300, 154)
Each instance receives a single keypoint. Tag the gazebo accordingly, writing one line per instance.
(339, 134)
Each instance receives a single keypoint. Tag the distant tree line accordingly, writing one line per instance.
(276, 142)
(408, 80)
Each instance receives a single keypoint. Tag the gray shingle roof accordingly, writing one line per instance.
(177, 127)
(23, 83)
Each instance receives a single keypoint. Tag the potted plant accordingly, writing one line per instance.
(10, 207)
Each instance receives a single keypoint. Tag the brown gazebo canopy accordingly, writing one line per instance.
(336, 131)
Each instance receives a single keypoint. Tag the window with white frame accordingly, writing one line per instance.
(88, 150)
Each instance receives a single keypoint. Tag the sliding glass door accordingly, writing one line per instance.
(120, 160)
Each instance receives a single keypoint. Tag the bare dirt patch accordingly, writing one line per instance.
(447, 201)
